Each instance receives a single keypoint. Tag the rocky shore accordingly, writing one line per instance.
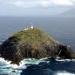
(33, 43)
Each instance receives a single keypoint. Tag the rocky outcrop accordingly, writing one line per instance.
(33, 43)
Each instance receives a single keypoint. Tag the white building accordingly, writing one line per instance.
(32, 27)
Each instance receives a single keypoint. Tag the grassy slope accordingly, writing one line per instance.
(33, 36)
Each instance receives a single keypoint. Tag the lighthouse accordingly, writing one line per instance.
(26, 28)
(32, 27)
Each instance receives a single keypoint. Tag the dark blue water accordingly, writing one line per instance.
(61, 28)
(52, 68)
(39, 67)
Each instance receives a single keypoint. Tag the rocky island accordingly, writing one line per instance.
(33, 43)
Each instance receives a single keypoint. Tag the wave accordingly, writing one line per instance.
(57, 66)
(29, 61)
(64, 73)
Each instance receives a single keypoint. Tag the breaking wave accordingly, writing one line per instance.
(64, 73)
(45, 66)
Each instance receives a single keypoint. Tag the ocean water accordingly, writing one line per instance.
(46, 66)
(61, 28)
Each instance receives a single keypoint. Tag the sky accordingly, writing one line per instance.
(34, 7)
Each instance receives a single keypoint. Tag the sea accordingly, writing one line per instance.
(60, 28)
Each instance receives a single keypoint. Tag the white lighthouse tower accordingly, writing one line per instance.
(32, 27)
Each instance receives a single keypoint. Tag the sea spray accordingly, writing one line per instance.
(64, 73)
(10, 69)
(13, 69)
(7, 68)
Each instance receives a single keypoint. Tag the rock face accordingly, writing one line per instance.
(32, 43)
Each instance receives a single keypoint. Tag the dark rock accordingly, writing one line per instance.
(33, 43)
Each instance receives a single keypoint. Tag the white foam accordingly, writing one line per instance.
(64, 73)
(64, 60)
(20, 66)
(5, 64)
(23, 64)
(33, 61)
(4, 61)
(29, 61)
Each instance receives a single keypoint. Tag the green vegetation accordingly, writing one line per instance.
(32, 43)
(35, 37)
